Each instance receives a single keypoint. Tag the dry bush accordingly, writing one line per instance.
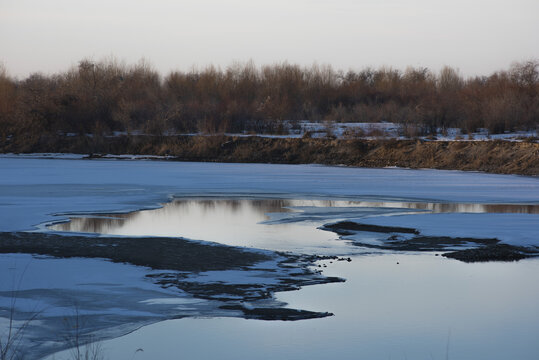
(100, 97)
(7, 104)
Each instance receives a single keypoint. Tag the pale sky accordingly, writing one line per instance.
(476, 36)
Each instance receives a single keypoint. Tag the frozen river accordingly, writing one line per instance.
(392, 304)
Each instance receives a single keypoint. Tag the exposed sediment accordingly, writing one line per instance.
(399, 239)
(496, 252)
(186, 258)
(349, 227)
(276, 314)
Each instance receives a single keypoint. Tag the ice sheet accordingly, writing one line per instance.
(32, 191)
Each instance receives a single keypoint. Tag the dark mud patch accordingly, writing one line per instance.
(399, 239)
(432, 243)
(272, 314)
(153, 252)
(350, 227)
(497, 252)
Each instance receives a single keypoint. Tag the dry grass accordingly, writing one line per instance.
(488, 156)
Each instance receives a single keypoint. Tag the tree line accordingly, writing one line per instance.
(101, 97)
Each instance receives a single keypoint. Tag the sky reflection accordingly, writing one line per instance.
(274, 224)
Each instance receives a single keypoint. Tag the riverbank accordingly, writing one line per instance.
(496, 156)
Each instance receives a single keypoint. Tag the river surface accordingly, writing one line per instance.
(393, 305)
(423, 308)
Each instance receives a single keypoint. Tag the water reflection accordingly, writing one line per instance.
(229, 221)
(457, 207)
(276, 224)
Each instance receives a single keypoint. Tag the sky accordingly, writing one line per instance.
(476, 36)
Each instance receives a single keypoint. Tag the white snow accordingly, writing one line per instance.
(321, 129)
(386, 130)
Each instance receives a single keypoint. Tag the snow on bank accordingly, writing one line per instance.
(387, 130)
(339, 130)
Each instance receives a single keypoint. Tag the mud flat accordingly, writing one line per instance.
(466, 249)
(495, 252)
(180, 258)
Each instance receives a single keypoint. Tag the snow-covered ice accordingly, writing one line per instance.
(33, 191)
